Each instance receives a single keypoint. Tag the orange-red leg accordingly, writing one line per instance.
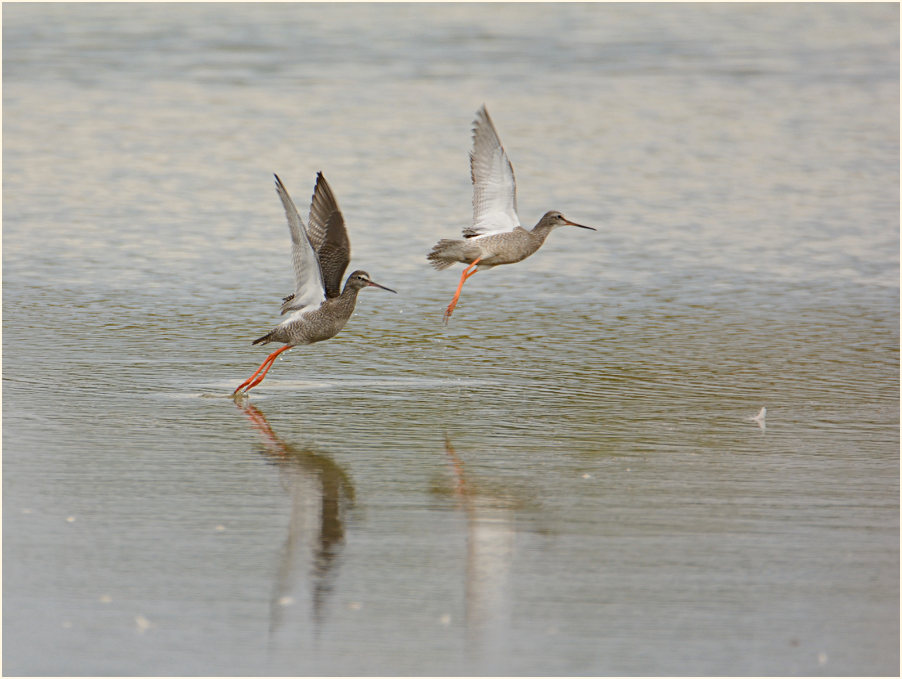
(467, 272)
(250, 382)
(266, 364)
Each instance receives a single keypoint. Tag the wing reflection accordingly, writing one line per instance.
(321, 493)
(490, 552)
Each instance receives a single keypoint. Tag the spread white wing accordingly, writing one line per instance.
(494, 186)
(308, 280)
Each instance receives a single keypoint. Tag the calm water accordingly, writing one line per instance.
(566, 479)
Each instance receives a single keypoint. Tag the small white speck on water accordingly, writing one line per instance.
(355, 606)
(760, 418)
(142, 623)
(445, 619)
(26, 511)
(587, 476)
(106, 599)
(67, 624)
(70, 519)
(286, 601)
(628, 469)
(219, 528)
(822, 658)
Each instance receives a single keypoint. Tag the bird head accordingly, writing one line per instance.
(361, 279)
(555, 219)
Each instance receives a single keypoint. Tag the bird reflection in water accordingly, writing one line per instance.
(490, 553)
(321, 494)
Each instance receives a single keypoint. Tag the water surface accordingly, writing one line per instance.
(566, 479)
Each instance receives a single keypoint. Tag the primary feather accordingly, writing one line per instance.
(328, 236)
(494, 185)
(309, 290)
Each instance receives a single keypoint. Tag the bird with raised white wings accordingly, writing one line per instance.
(318, 309)
(495, 237)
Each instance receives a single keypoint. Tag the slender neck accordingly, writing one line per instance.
(347, 299)
(349, 294)
(541, 231)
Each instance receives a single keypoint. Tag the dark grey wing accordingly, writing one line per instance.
(334, 254)
(322, 205)
(328, 236)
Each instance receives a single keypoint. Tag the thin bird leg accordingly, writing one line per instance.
(265, 366)
(258, 380)
(467, 272)
(257, 372)
(272, 360)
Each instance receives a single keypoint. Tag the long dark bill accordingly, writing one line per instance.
(582, 226)
(376, 285)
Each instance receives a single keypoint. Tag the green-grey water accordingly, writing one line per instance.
(565, 480)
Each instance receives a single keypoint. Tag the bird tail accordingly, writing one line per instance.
(266, 339)
(446, 252)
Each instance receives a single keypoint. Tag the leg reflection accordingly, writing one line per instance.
(490, 552)
(321, 493)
